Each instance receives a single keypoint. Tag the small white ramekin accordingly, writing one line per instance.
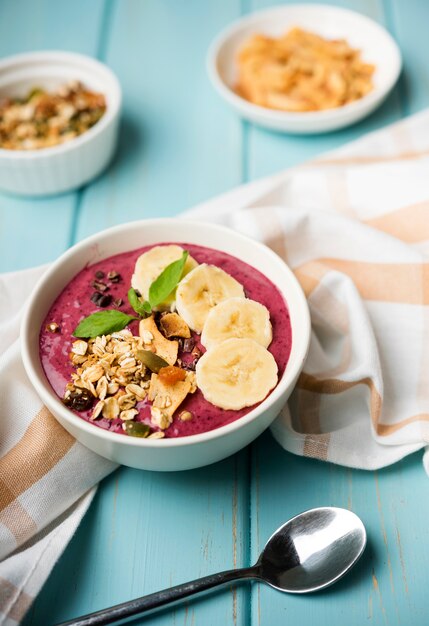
(377, 47)
(183, 452)
(72, 164)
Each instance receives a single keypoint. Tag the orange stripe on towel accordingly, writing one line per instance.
(44, 443)
(335, 385)
(410, 223)
(14, 603)
(407, 283)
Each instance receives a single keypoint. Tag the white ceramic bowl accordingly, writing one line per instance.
(376, 44)
(67, 166)
(185, 452)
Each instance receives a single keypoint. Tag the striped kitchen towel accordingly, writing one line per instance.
(354, 226)
(46, 478)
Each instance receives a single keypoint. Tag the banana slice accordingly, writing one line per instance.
(201, 290)
(240, 318)
(149, 266)
(236, 373)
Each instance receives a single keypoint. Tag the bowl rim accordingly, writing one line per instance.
(49, 397)
(111, 113)
(327, 115)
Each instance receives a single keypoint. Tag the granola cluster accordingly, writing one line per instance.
(107, 367)
(44, 119)
(111, 372)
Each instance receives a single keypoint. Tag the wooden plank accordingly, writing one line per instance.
(37, 231)
(147, 531)
(386, 587)
(178, 144)
(379, 591)
(408, 22)
(271, 152)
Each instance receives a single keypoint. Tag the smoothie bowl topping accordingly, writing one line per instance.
(200, 339)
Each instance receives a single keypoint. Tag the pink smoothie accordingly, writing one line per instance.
(74, 303)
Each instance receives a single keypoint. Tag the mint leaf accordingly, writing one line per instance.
(102, 323)
(142, 308)
(167, 281)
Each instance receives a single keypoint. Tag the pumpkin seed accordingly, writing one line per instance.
(151, 360)
(136, 429)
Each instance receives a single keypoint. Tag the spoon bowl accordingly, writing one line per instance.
(312, 550)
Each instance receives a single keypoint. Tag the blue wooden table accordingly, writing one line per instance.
(180, 145)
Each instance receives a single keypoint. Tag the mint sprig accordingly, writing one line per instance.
(167, 281)
(142, 308)
(107, 322)
(102, 323)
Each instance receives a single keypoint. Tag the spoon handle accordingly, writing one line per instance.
(154, 601)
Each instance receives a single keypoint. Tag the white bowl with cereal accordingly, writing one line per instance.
(304, 68)
(59, 117)
(166, 344)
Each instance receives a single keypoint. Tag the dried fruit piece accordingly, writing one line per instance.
(79, 399)
(165, 348)
(172, 325)
(170, 375)
(167, 398)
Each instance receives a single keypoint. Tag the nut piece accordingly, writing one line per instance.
(172, 325)
(186, 416)
(53, 327)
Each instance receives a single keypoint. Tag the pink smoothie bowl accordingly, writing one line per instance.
(179, 453)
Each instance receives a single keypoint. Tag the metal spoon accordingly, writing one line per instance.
(309, 552)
